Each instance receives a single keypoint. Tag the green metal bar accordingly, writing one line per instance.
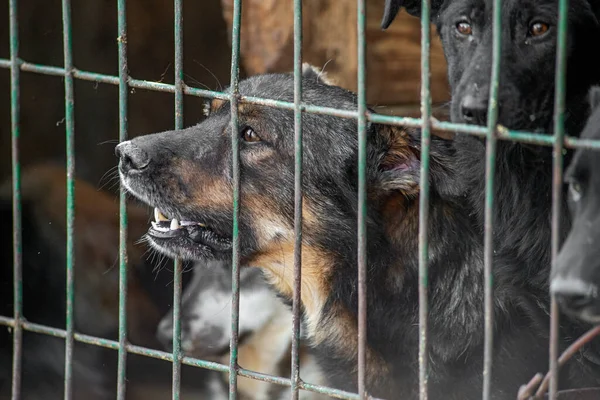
(557, 184)
(235, 149)
(123, 127)
(177, 270)
(362, 196)
(297, 300)
(424, 195)
(479, 131)
(15, 108)
(490, 171)
(162, 355)
(70, 150)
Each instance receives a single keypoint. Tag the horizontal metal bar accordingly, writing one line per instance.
(480, 131)
(161, 355)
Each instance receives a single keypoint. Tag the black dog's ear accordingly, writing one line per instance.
(594, 97)
(413, 7)
(311, 72)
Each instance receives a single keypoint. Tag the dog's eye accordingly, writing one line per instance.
(464, 28)
(575, 191)
(249, 135)
(538, 28)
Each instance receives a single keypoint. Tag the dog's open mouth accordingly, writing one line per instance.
(185, 239)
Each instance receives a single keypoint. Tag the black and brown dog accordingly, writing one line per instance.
(576, 274)
(187, 176)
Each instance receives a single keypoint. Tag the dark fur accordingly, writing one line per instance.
(182, 173)
(522, 201)
(576, 274)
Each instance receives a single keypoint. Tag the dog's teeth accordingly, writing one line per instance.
(202, 225)
(174, 224)
(159, 228)
(159, 216)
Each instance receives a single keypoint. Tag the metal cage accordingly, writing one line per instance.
(492, 133)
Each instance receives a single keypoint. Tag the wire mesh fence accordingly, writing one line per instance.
(492, 133)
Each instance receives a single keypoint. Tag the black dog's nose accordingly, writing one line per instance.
(131, 156)
(474, 109)
(574, 295)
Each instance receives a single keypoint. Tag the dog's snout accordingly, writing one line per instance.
(131, 157)
(574, 295)
(473, 109)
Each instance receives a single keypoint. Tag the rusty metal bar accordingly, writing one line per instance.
(177, 269)
(362, 197)
(557, 184)
(70, 150)
(123, 126)
(424, 194)
(490, 172)
(15, 110)
(297, 298)
(235, 146)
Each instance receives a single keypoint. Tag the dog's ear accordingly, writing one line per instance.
(413, 7)
(310, 72)
(397, 155)
(396, 160)
(594, 97)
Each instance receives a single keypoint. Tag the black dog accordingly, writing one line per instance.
(523, 201)
(187, 175)
(576, 274)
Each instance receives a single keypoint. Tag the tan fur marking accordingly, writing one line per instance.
(262, 352)
(216, 104)
(278, 263)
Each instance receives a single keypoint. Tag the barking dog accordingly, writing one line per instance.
(264, 328)
(576, 274)
(187, 175)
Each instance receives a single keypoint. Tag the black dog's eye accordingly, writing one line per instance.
(464, 28)
(575, 191)
(538, 28)
(248, 135)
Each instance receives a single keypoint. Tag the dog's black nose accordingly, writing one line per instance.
(574, 295)
(474, 109)
(131, 156)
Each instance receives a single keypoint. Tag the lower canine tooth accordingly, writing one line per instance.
(174, 224)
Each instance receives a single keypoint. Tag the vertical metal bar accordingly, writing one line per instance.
(235, 148)
(70, 141)
(15, 90)
(362, 198)
(296, 301)
(557, 184)
(424, 195)
(123, 92)
(490, 170)
(177, 270)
